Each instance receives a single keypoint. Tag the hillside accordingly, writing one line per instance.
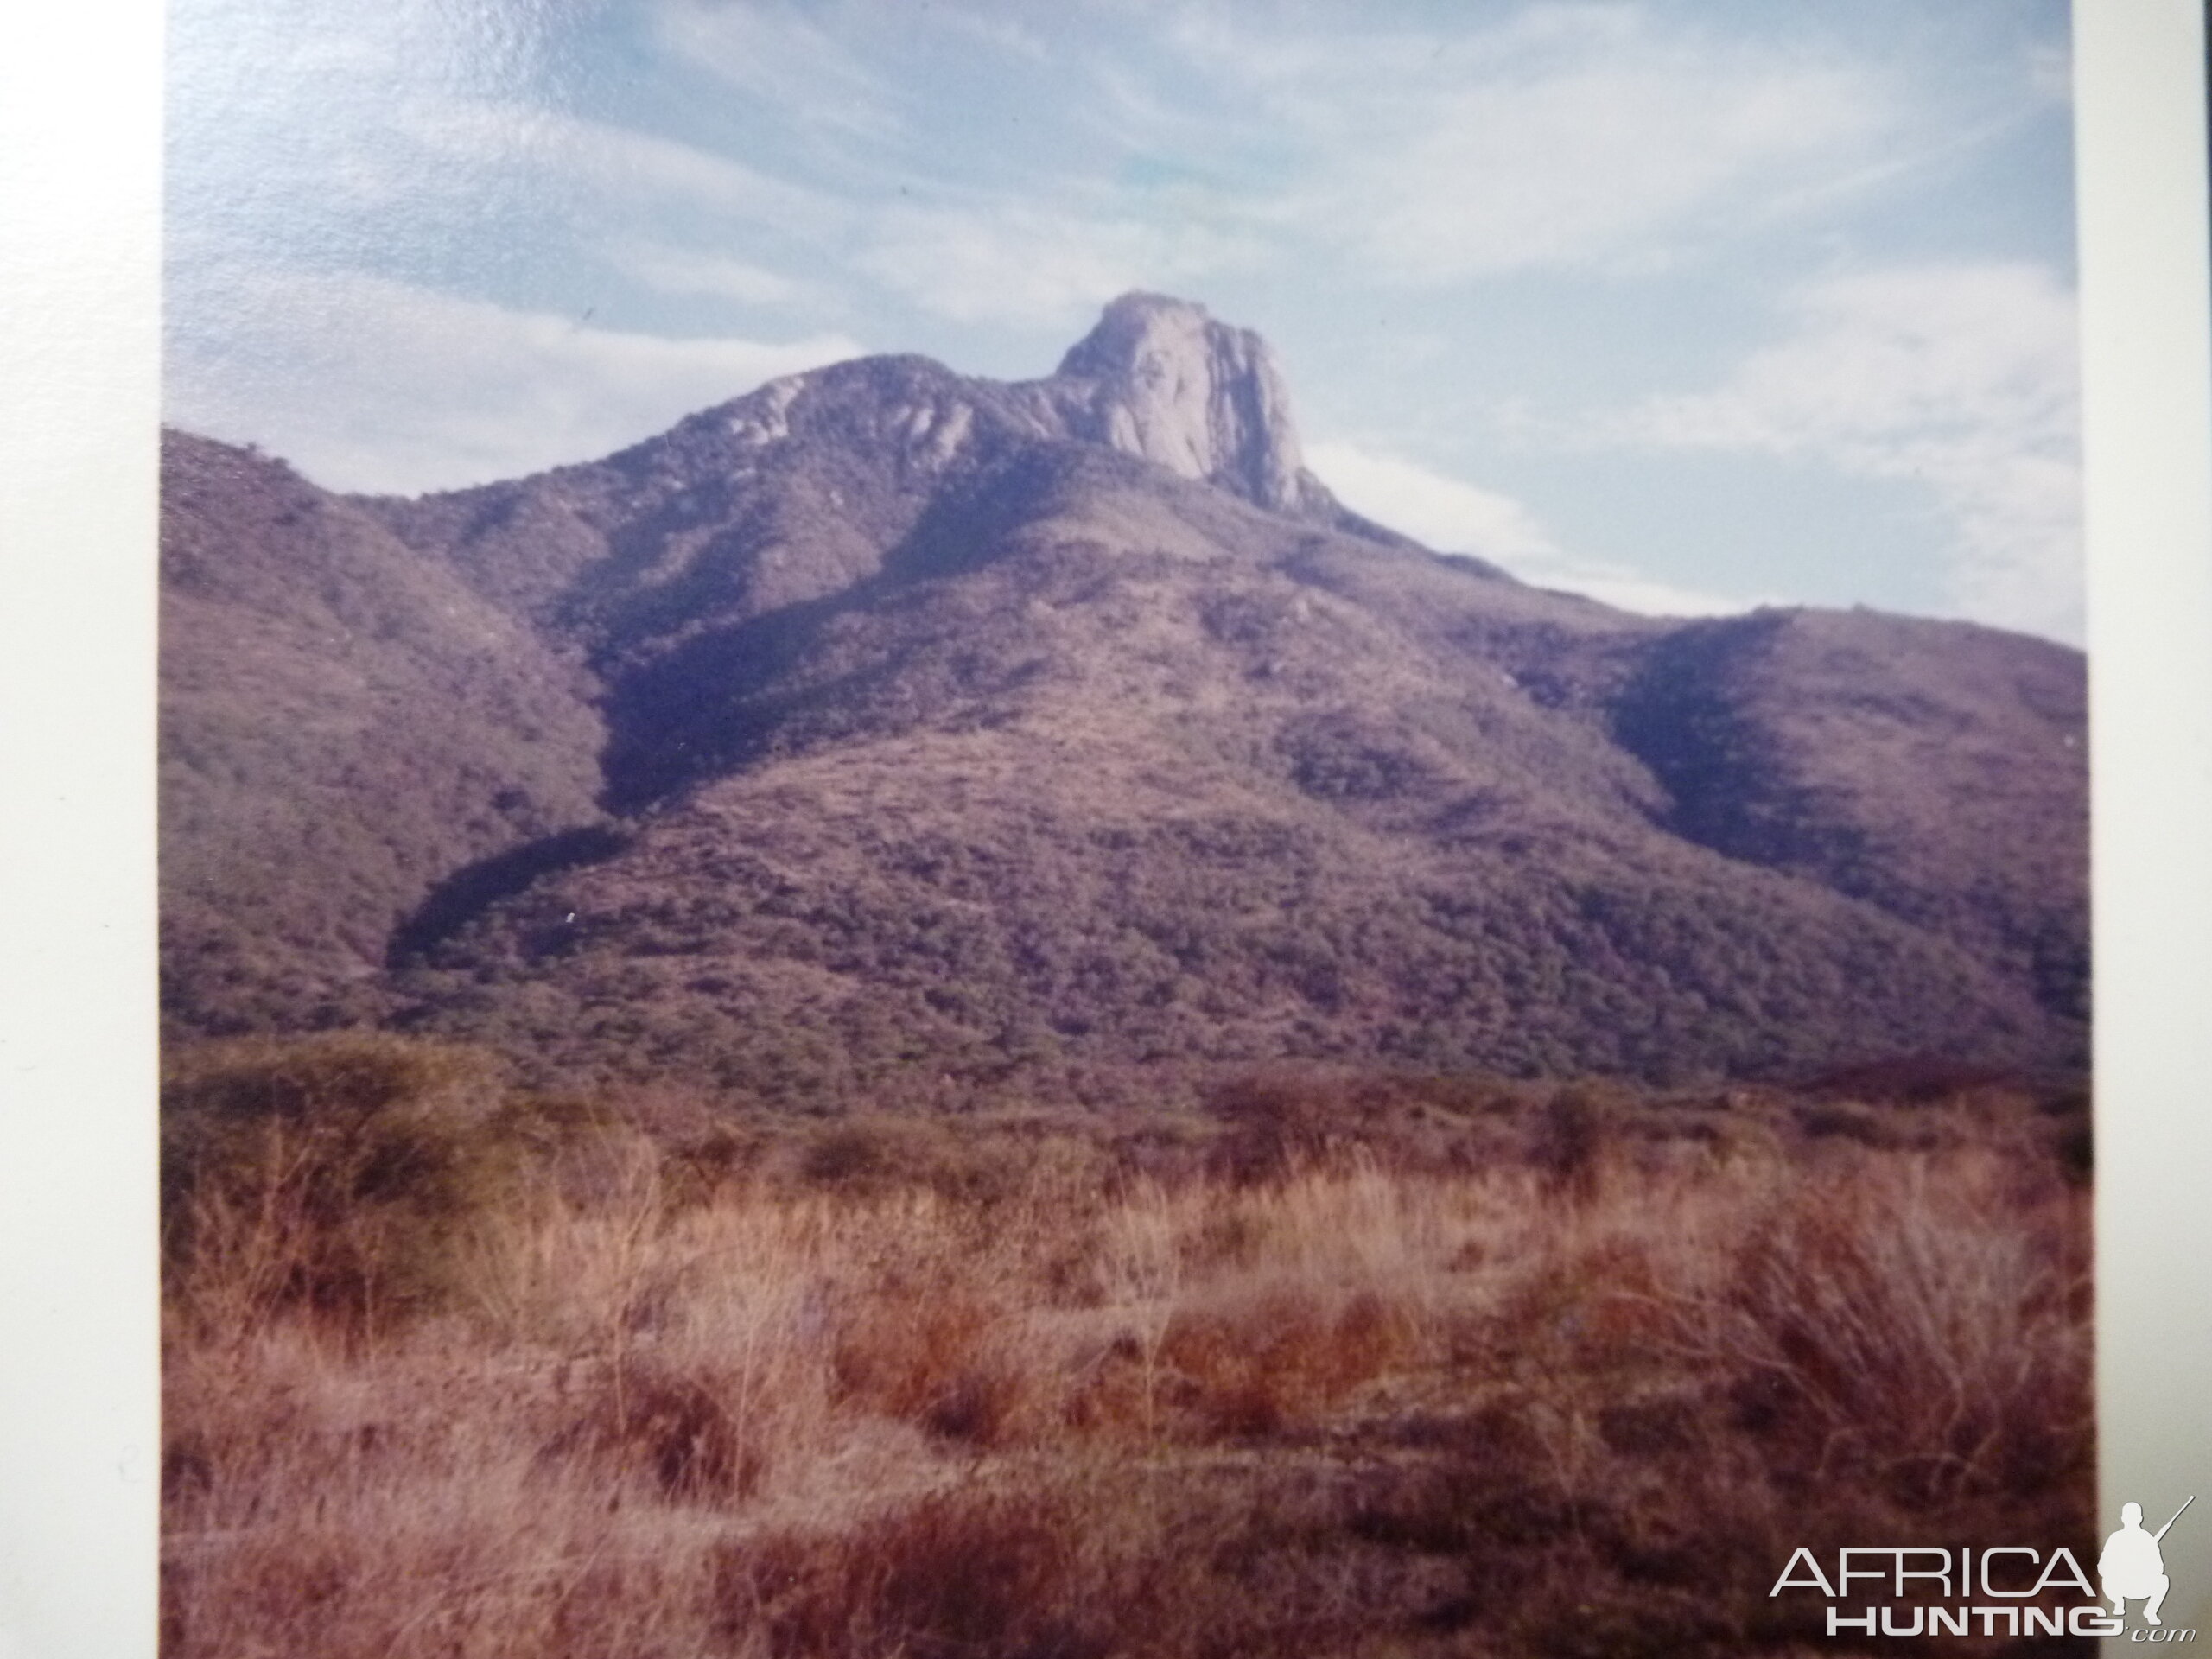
(343, 724)
(968, 737)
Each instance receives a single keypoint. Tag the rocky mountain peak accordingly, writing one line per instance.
(1159, 378)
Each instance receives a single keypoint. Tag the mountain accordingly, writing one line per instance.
(343, 724)
(887, 733)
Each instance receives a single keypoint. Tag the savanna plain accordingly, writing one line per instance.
(1339, 1362)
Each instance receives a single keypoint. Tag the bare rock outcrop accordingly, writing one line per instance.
(1159, 378)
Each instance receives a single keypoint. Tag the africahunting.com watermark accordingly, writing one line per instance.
(2008, 1590)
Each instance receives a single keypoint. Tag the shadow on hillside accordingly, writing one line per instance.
(717, 702)
(458, 900)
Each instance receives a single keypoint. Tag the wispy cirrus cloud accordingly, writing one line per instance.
(1961, 378)
(1035, 266)
(1566, 135)
(817, 69)
(688, 271)
(554, 153)
(1563, 136)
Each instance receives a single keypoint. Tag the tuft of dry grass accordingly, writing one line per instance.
(1895, 1325)
(1581, 1400)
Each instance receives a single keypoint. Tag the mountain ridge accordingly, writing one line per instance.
(1026, 731)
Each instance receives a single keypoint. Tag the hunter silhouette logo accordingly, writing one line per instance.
(2132, 1568)
(1998, 1590)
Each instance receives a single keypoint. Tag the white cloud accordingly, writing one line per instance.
(772, 53)
(298, 123)
(1617, 586)
(1569, 135)
(1564, 136)
(1033, 267)
(1576, 167)
(1454, 516)
(1442, 512)
(684, 270)
(497, 146)
(1962, 378)
(374, 385)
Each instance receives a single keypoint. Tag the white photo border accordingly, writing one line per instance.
(80, 147)
(2146, 331)
(80, 305)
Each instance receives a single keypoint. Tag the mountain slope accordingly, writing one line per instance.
(1009, 736)
(1935, 770)
(343, 724)
(1135, 783)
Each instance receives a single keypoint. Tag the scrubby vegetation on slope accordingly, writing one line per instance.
(343, 724)
(1156, 776)
(1038, 761)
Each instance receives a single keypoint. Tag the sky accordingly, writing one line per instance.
(1690, 305)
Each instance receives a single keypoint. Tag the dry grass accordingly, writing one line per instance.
(1565, 1404)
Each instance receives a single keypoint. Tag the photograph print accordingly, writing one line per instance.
(1142, 829)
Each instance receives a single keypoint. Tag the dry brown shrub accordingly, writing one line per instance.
(897, 1356)
(978, 1162)
(1071, 1568)
(953, 1576)
(685, 1432)
(1572, 1136)
(1275, 1354)
(328, 1173)
(1275, 1123)
(1902, 1321)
